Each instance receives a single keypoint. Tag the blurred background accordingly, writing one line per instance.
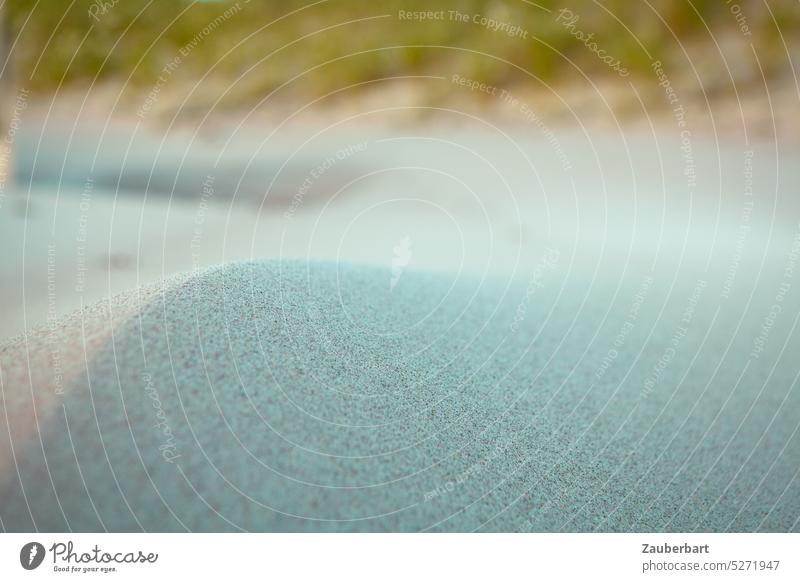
(243, 51)
(145, 138)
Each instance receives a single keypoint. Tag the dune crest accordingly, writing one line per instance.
(286, 395)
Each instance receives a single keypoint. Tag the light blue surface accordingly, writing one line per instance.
(312, 396)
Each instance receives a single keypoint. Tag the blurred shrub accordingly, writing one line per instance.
(270, 41)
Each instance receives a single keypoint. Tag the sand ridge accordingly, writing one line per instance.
(316, 396)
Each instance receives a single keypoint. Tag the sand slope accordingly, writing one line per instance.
(286, 395)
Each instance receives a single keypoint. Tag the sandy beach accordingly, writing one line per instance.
(506, 269)
(321, 396)
(332, 335)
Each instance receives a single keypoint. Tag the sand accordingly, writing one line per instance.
(320, 396)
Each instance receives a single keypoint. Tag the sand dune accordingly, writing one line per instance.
(319, 396)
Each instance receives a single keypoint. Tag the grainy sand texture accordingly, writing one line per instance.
(329, 396)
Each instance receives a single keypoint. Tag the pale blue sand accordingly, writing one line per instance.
(320, 397)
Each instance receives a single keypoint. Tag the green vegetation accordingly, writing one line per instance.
(258, 45)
